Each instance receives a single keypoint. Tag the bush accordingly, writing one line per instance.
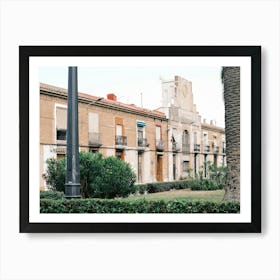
(205, 185)
(100, 177)
(162, 186)
(215, 178)
(137, 206)
(115, 179)
(55, 176)
(51, 195)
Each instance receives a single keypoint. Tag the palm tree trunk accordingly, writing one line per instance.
(231, 81)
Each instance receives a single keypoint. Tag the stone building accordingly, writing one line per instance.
(190, 142)
(166, 144)
(112, 128)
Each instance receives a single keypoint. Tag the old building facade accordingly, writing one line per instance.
(166, 144)
(191, 142)
(112, 128)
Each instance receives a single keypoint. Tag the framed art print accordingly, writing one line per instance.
(140, 138)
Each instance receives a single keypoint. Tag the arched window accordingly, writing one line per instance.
(185, 142)
(185, 139)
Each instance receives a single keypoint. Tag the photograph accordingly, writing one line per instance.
(140, 139)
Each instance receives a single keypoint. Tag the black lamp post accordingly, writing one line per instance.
(72, 184)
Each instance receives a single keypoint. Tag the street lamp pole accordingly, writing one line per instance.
(72, 184)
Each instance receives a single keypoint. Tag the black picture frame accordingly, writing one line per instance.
(254, 52)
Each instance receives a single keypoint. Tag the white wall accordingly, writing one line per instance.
(138, 256)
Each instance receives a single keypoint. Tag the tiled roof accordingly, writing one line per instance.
(63, 91)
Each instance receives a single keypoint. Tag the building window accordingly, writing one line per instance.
(61, 125)
(121, 140)
(215, 141)
(142, 141)
(119, 130)
(94, 137)
(205, 139)
(196, 144)
(120, 154)
(185, 142)
(185, 138)
(195, 138)
(186, 165)
(61, 134)
(158, 132)
(159, 142)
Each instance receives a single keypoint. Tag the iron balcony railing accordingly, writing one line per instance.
(216, 149)
(185, 148)
(160, 145)
(196, 148)
(121, 140)
(142, 142)
(176, 146)
(206, 149)
(94, 139)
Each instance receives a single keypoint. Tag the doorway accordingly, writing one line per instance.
(159, 169)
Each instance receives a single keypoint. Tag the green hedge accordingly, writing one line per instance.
(51, 195)
(205, 185)
(137, 206)
(193, 184)
(162, 186)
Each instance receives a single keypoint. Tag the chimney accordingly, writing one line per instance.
(111, 96)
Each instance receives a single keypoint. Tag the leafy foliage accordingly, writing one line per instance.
(51, 195)
(55, 175)
(115, 179)
(137, 206)
(100, 177)
(215, 178)
(162, 186)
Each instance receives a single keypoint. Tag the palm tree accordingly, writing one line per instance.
(231, 82)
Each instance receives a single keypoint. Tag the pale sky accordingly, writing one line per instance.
(129, 82)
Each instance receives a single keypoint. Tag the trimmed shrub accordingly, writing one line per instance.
(51, 195)
(162, 186)
(114, 179)
(136, 206)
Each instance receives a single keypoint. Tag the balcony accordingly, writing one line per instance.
(160, 145)
(206, 149)
(185, 148)
(216, 149)
(142, 143)
(94, 139)
(121, 140)
(176, 146)
(196, 148)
